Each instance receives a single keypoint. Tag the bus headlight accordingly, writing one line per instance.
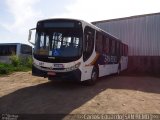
(76, 66)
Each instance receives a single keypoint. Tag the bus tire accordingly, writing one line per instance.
(119, 69)
(94, 77)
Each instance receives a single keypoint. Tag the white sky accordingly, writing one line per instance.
(18, 16)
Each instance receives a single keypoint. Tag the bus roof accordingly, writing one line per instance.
(87, 23)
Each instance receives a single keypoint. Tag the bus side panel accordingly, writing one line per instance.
(104, 70)
(88, 65)
(108, 69)
(5, 59)
(86, 73)
(124, 62)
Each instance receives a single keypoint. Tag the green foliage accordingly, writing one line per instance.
(29, 62)
(3, 69)
(15, 60)
(26, 62)
(17, 64)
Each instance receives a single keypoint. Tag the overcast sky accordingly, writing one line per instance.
(18, 16)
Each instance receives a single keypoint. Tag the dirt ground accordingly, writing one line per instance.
(23, 93)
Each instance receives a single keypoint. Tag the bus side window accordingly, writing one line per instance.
(25, 49)
(126, 50)
(105, 45)
(88, 42)
(118, 49)
(113, 47)
(121, 49)
(7, 50)
(99, 43)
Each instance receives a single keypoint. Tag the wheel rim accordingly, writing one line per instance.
(94, 75)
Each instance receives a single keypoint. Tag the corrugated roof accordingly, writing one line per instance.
(124, 18)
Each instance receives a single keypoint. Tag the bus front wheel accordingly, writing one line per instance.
(94, 77)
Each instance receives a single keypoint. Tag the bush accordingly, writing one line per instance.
(17, 64)
(26, 61)
(29, 62)
(4, 68)
(21, 61)
(15, 61)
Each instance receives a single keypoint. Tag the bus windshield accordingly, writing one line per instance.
(58, 42)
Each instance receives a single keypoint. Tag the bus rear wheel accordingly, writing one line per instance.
(119, 69)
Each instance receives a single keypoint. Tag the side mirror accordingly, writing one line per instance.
(29, 36)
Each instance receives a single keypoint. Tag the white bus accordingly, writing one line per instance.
(9, 49)
(75, 49)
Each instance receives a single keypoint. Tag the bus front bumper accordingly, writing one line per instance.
(72, 75)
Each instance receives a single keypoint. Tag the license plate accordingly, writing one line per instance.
(58, 66)
(51, 73)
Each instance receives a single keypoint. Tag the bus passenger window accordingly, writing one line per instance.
(113, 47)
(6, 50)
(121, 49)
(126, 50)
(88, 42)
(118, 49)
(99, 42)
(25, 49)
(105, 45)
